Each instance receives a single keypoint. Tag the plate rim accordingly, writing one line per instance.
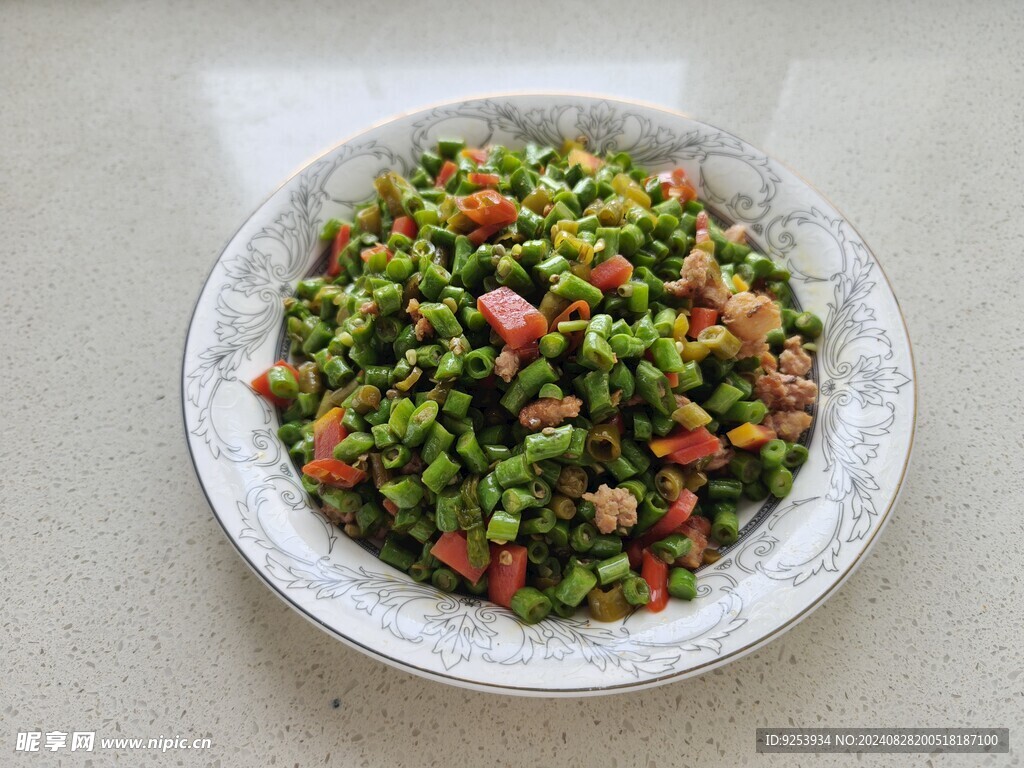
(585, 691)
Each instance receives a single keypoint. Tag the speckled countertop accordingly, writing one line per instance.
(135, 138)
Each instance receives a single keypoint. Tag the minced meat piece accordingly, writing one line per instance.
(506, 365)
(369, 308)
(794, 360)
(768, 362)
(782, 392)
(424, 329)
(336, 516)
(701, 280)
(788, 425)
(413, 308)
(549, 412)
(696, 529)
(414, 466)
(754, 348)
(721, 457)
(737, 233)
(749, 316)
(613, 507)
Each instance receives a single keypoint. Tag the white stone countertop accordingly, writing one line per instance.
(136, 137)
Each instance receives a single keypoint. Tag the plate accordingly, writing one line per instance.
(791, 555)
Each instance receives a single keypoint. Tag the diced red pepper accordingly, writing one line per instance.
(405, 225)
(675, 183)
(478, 156)
(673, 379)
(694, 452)
(390, 506)
(678, 440)
(612, 273)
(750, 437)
(480, 235)
(655, 572)
(579, 308)
(512, 317)
(483, 179)
(262, 384)
(487, 207)
(328, 432)
(448, 169)
(337, 246)
(679, 512)
(504, 579)
(451, 550)
(701, 318)
(334, 472)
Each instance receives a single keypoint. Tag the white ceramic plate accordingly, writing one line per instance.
(790, 556)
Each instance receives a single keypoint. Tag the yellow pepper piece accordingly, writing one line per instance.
(750, 436)
(335, 414)
(740, 283)
(680, 327)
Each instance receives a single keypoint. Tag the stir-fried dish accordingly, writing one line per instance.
(545, 377)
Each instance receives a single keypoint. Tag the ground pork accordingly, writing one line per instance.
(749, 316)
(336, 517)
(788, 425)
(413, 308)
(696, 529)
(424, 329)
(768, 362)
(413, 466)
(782, 392)
(737, 233)
(528, 354)
(613, 507)
(369, 308)
(701, 280)
(506, 365)
(794, 360)
(702, 224)
(721, 457)
(549, 412)
(754, 348)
